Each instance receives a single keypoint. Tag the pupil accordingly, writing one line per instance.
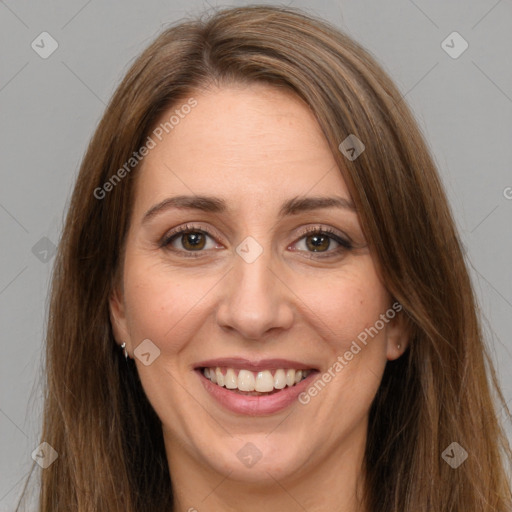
(318, 241)
(193, 240)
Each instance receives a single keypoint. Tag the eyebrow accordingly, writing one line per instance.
(210, 204)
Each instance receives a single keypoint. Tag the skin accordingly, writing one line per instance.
(254, 147)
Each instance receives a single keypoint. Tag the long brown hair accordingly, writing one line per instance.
(442, 390)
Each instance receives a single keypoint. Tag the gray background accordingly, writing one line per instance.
(50, 107)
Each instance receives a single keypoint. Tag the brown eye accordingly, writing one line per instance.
(187, 240)
(322, 240)
(318, 242)
(194, 240)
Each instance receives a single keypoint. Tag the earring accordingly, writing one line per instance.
(398, 346)
(125, 351)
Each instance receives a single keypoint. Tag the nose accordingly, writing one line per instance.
(256, 300)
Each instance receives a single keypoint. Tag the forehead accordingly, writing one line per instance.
(255, 142)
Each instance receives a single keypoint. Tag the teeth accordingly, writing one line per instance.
(280, 379)
(230, 380)
(245, 380)
(219, 376)
(262, 382)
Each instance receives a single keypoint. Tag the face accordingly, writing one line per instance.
(255, 275)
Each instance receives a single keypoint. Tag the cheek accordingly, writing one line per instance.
(164, 306)
(349, 317)
(344, 305)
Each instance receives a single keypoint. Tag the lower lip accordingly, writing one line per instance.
(255, 405)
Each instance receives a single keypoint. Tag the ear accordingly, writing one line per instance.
(117, 311)
(399, 332)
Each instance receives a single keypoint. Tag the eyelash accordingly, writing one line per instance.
(345, 245)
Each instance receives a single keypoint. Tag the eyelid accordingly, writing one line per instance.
(166, 239)
(344, 242)
(316, 228)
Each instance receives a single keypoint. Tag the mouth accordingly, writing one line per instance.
(252, 383)
(255, 388)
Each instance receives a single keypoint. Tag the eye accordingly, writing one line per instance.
(190, 238)
(319, 240)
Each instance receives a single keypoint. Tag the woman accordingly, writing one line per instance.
(203, 353)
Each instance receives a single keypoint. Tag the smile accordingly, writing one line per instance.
(254, 388)
(252, 382)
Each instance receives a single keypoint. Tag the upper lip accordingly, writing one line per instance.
(247, 364)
